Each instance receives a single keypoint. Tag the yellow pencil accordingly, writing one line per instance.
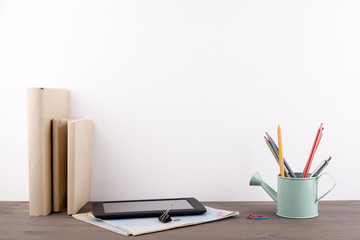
(281, 158)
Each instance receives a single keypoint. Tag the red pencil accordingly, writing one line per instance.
(313, 150)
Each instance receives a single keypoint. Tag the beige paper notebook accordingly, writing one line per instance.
(79, 163)
(59, 163)
(43, 104)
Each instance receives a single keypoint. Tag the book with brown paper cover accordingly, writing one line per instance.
(43, 104)
(59, 163)
(79, 163)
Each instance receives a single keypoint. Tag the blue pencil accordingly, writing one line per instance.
(276, 156)
(277, 152)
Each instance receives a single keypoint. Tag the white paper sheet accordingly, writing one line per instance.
(138, 226)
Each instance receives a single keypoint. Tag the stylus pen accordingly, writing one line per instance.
(320, 168)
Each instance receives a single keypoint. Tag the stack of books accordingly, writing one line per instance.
(59, 154)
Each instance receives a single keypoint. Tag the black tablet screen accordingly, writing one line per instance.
(146, 206)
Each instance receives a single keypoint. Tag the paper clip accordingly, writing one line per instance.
(256, 217)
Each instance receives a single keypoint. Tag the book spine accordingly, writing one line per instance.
(71, 169)
(59, 166)
(43, 105)
(79, 163)
(39, 200)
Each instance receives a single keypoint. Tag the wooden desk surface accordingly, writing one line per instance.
(336, 220)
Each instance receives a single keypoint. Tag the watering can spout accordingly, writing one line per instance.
(256, 180)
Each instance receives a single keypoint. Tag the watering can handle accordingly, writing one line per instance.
(334, 184)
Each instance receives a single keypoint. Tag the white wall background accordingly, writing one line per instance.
(182, 92)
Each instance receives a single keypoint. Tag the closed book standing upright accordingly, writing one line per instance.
(59, 164)
(79, 163)
(43, 105)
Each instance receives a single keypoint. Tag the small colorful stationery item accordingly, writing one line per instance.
(256, 217)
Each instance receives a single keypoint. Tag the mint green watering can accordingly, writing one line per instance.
(296, 197)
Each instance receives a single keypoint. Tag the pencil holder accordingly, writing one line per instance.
(296, 197)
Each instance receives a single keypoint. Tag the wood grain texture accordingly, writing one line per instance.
(336, 220)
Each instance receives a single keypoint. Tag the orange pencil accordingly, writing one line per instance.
(281, 158)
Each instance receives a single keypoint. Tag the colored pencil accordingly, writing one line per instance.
(276, 156)
(281, 158)
(275, 147)
(313, 150)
